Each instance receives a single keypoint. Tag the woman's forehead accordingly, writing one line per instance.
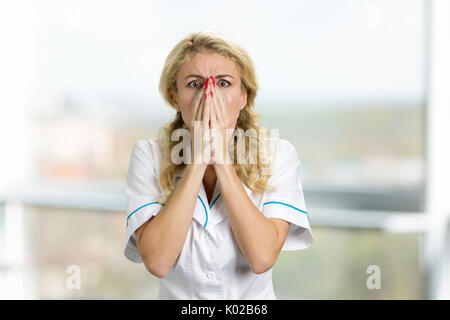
(206, 64)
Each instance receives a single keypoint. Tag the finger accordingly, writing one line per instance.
(207, 129)
(206, 115)
(214, 133)
(217, 142)
(221, 105)
(198, 114)
(222, 112)
(213, 104)
(216, 103)
(206, 110)
(204, 90)
(200, 94)
(214, 120)
(213, 101)
(196, 105)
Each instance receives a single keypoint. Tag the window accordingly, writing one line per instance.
(345, 81)
(338, 266)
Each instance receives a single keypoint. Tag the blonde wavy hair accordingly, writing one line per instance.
(213, 42)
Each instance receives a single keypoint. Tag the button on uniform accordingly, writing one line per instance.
(210, 275)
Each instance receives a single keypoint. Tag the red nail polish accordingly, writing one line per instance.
(205, 96)
(214, 82)
(211, 94)
(206, 84)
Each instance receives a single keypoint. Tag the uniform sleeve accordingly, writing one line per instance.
(141, 191)
(287, 201)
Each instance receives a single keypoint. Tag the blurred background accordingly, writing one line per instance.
(361, 88)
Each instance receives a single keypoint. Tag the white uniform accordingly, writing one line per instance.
(211, 265)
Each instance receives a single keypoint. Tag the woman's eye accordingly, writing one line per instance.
(195, 81)
(224, 81)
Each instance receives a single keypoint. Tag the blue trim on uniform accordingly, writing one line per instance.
(141, 208)
(285, 204)
(206, 212)
(214, 201)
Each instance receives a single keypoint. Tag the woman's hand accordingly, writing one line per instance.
(200, 128)
(220, 136)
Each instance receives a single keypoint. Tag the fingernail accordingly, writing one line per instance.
(213, 81)
(205, 96)
(211, 94)
(206, 84)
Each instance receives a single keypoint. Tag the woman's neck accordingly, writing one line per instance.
(210, 175)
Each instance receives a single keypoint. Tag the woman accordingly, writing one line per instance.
(212, 228)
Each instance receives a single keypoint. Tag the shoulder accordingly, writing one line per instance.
(283, 151)
(286, 145)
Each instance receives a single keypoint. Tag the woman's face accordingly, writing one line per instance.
(193, 74)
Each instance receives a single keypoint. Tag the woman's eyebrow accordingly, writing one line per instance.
(199, 76)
